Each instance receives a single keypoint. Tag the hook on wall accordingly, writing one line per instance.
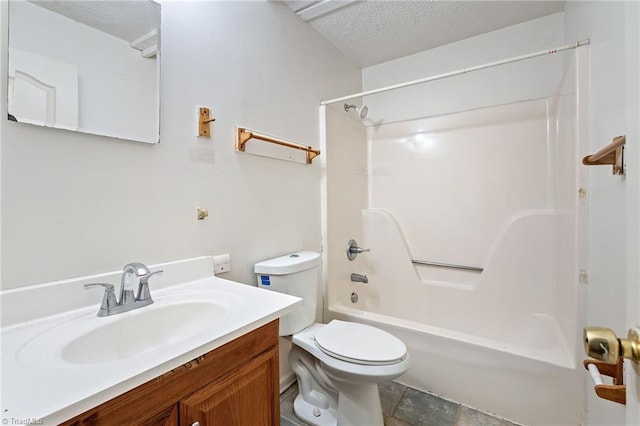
(204, 122)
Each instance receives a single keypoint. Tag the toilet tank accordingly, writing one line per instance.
(296, 274)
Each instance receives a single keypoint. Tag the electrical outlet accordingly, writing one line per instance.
(221, 263)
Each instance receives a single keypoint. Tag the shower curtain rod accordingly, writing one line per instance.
(459, 72)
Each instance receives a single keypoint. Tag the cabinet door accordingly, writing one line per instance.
(247, 397)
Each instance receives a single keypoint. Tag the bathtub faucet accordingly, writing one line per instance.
(358, 278)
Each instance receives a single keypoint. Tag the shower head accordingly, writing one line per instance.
(363, 110)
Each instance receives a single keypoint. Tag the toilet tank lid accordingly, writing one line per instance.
(288, 264)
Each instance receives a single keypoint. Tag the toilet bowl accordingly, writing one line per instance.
(338, 365)
(350, 368)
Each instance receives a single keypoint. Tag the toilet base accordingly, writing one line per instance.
(312, 414)
(329, 398)
(359, 405)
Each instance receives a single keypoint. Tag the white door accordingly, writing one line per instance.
(42, 91)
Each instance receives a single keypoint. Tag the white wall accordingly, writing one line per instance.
(346, 186)
(613, 76)
(444, 178)
(117, 87)
(567, 177)
(75, 204)
(535, 78)
(632, 153)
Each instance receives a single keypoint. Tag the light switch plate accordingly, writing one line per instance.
(221, 263)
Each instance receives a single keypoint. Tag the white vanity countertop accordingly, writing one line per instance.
(41, 387)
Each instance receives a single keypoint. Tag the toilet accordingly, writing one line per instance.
(338, 365)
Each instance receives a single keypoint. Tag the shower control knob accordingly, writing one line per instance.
(353, 250)
(602, 344)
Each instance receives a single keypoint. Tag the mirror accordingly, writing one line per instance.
(91, 66)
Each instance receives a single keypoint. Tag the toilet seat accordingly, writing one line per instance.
(360, 344)
(351, 369)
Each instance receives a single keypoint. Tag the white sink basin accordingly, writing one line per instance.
(174, 319)
(147, 331)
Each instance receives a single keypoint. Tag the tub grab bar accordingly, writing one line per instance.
(447, 265)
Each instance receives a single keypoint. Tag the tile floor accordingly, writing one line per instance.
(404, 406)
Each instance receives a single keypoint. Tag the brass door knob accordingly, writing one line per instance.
(602, 344)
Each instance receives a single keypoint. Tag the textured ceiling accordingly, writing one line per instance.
(372, 31)
(127, 20)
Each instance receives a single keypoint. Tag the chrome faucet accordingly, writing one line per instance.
(126, 288)
(128, 301)
(359, 278)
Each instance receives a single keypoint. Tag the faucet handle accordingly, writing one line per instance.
(145, 278)
(108, 300)
(107, 287)
(353, 250)
(143, 286)
(358, 250)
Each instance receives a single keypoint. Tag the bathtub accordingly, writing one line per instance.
(503, 340)
(508, 380)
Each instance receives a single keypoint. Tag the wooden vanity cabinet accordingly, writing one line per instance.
(236, 384)
(236, 400)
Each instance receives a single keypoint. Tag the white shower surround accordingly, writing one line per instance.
(507, 340)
